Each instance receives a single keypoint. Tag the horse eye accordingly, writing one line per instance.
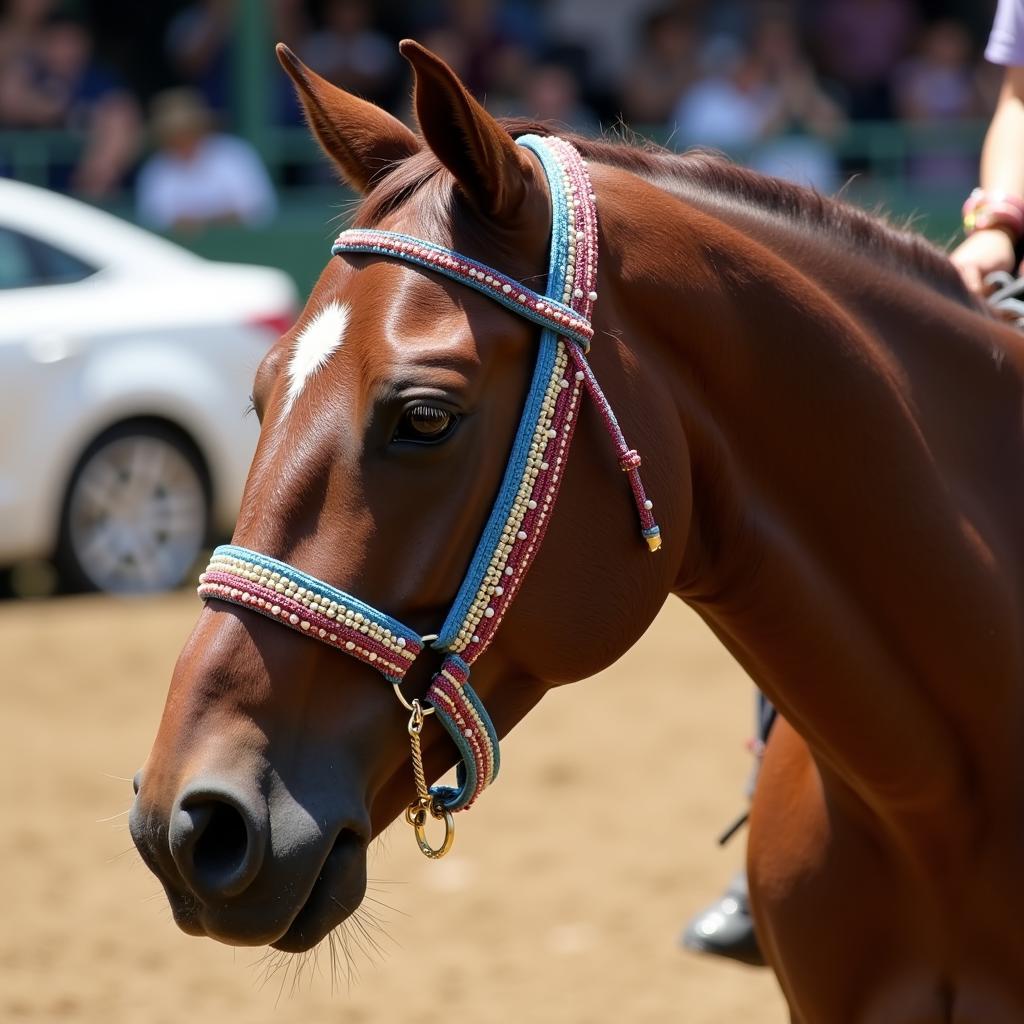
(425, 424)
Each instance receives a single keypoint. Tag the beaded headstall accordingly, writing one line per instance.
(521, 512)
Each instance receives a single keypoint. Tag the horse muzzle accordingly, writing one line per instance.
(248, 867)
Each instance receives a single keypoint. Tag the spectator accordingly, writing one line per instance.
(765, 105)
(480, 33)
(939, 84)
(21, 31)
(553, 95)
(290, 25)
(861, 42)
(198, 177)
(452, 47)
(805, 119)
(289, 21)
(349, 52)
(56, 83)
(731, 108)
(21, 25)
(661, 69)
(802, 103)
(510, 69)
(198, 47)
(602, 29)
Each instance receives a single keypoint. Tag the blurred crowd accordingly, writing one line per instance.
(774, 82)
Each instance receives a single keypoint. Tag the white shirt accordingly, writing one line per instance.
(1006, 43)
(225, 177)
(714, 112)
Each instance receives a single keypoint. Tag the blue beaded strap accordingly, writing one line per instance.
(308, 605)
(548, 347)
(463, 716)
(311, 606)
(325, 590)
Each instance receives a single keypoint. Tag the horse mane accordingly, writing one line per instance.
(691, 176)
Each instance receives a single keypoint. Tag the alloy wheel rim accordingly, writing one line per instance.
(137, 516)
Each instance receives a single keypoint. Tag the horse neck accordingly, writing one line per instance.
(818, 504)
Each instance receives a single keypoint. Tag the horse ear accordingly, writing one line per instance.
(491, 169)
(362, 139)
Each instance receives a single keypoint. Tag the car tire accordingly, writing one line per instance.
(137, 511)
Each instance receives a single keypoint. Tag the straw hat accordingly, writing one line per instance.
(177, 112)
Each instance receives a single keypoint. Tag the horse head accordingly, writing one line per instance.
(387, 416)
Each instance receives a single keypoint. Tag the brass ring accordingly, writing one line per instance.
(419, 827)
(427, 708)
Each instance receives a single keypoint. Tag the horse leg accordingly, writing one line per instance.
(771, 848)
(851, 938)
(794, 888)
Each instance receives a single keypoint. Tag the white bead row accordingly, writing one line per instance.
(498, 570)
(281, 584)
(267, 606)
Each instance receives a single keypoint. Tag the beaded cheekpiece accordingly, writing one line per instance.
(522, 509)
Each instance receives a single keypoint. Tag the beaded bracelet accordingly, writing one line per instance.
(985, 208)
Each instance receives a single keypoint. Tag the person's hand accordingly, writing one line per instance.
(980, 254)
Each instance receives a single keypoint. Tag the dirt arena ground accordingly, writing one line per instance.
(560, 903)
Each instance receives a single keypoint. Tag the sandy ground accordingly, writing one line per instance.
(564, 908)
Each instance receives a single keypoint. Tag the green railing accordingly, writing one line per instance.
(883, 162)
(886, 158)
(31, 155)
(884, 151)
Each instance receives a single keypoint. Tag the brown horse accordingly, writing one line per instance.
(832, 433)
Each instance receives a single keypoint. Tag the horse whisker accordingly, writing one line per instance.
(361, 925)
(351, 970)
(120, 814)
(355, 928)
(386, 906)
(118, 856)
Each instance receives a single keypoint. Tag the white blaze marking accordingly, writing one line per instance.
(313, 347)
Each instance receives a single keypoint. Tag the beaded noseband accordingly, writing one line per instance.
(521, 512)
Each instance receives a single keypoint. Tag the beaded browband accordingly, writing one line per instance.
(522, 509)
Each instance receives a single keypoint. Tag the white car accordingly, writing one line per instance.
(126, 364)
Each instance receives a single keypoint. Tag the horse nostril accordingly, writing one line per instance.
(137, 782)
(223, 844)
(217, 841)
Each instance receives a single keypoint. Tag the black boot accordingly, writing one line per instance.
(726, 928)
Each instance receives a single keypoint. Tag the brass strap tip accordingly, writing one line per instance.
(654, 543)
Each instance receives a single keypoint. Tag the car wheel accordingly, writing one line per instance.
(137, 512)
